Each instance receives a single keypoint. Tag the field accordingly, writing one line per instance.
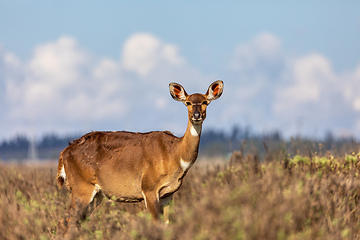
(285, 197)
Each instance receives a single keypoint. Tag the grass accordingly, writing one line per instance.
(302, 197)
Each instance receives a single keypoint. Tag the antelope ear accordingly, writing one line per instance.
(215, 90)
(177, 92)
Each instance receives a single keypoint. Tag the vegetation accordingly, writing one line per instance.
(213, 143)
(312, 196)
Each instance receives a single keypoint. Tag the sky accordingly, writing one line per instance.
(78, 66)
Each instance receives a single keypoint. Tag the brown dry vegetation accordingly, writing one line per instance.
(297, 198)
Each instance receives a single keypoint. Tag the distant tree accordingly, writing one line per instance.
(329, 140)
(19, 141)
(235, 133)
(247, 133)
(53, 140)
(273, 135)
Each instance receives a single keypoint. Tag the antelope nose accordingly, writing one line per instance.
(196, 115)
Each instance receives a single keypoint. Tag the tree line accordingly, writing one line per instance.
(213, 143)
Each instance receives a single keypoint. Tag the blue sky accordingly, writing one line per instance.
(80, 66)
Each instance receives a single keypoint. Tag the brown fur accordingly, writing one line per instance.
(134, 166)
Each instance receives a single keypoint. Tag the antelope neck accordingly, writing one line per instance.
(189, 146)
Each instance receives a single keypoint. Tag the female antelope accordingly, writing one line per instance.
(131, 166)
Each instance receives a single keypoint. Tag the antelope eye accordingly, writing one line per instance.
(188, 103)
(205, 103)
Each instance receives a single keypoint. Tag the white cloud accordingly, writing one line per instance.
(63, 83)
(308, 77)
(58, 62)
(290, 88)
(64, 87)
(350, 88)
(143, 52)
(256, 68)
(265, 47)
(11, 61)
(106, 69)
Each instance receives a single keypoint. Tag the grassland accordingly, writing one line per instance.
(299, 197)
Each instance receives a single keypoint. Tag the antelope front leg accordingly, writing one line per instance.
(165, 205)
(152, 204)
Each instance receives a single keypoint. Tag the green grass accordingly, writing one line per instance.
(301, 197)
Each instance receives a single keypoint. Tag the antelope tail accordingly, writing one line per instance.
(61, 175)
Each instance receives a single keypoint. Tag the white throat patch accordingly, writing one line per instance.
(185, 165)
(195, 130)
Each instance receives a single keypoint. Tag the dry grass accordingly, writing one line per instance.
(298, 198)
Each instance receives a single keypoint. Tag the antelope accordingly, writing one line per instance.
(134, 167)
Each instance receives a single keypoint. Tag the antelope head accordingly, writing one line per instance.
(196, 103)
